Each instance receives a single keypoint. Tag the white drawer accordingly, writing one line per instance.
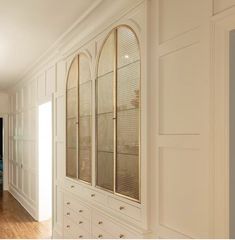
(100, 233)
(72, 187)
(125, 208)
(84, 223)
(77, 206)
(96, 196)
(85, 192)
(111, 227)
(71, 230)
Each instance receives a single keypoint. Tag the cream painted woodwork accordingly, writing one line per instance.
(222, 5)
(180, 139)
(223, 49)
(23, 165)
(121, 217)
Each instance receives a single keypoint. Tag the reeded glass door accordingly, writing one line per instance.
(71, 120)
(78, 120)
(118, 114)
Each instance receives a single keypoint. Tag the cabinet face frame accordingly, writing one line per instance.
(222, 25)
(115, 31)
(77, 57)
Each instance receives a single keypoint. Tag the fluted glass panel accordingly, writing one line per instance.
(128, 101)
(71, 120)
(104, 115)
(84, 120)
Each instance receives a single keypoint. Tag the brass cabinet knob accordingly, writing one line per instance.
(68, 213)
(121, 208)
(121, 236)
(100, 222)
(68, 226)
(80, 222)
(92, 195)
(68, 203)
(72, 186)
(80, 236)
(100, 236)
(80, 211)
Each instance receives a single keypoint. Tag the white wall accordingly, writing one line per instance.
(4, 103)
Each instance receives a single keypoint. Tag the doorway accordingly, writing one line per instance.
(45, 161)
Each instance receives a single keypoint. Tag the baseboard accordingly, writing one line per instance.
(56, 233)
(24, 203)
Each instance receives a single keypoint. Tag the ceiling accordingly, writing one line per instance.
(28, 28)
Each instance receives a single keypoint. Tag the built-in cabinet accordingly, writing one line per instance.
(104, 159)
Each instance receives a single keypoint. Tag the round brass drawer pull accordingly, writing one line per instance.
(121, 208)
(72, 186)
(92, 195)
(100, 236)
(121, 236)
(80, 222)
(80, 236)
(68, 226)
(68, 203)
(68, 213)
(80, 211)
(100, 222)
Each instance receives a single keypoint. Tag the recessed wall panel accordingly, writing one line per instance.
(183, 185)
(50, 81)
(180, 91)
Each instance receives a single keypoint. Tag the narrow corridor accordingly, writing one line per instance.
(15, 221)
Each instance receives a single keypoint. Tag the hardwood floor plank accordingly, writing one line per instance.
(16, 222)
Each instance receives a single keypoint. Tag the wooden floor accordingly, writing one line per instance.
(15, 222)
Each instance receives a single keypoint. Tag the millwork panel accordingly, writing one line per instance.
(41, 89)
(59, 111)
(179, 88)
(178, 17)
(183, 191)
(59, 156)
(50, 81)
(183, 181)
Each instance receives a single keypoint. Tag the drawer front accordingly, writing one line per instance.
(76, 206)
(85, 193)
(125, 208)
(96, 196)
(71, 230)
(84, 223)
(99, 233)
(109, 226)
(72, 187)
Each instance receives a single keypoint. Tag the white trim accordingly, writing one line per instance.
(23, 201)
(222, 25)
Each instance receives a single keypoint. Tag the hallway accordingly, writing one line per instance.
(15, 221)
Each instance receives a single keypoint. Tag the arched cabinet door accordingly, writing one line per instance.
(118, 114)
(78, 120)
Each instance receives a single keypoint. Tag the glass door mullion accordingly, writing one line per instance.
(78, 114)
(115, 111)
